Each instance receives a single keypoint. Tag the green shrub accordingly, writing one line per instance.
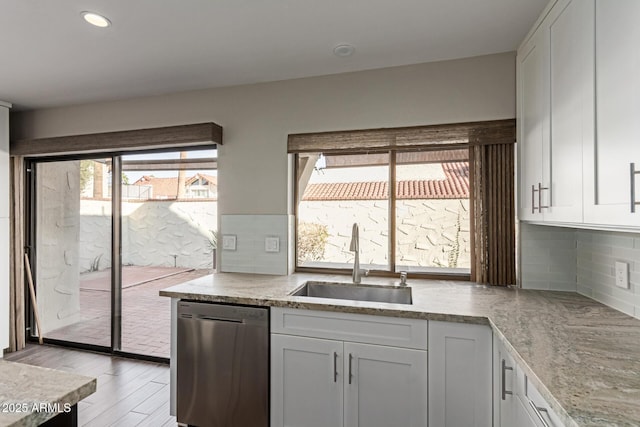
(312, 239)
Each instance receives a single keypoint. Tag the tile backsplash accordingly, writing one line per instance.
(581, 260)
(250, 255)
(547, 257)
(597, 253)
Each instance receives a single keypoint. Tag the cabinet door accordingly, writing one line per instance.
(533, 119)
(385, 386)
(521, 416)
(504, 386)
(4, 280)
(617, 142)
(459, 375)
(4, 162)
(306, 382)
(570, 27)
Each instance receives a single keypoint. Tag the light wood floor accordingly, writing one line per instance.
(129, 392)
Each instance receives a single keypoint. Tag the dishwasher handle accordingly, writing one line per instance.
(210, 318)
(219, 319)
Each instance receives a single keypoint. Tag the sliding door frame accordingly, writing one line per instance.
(116, 249)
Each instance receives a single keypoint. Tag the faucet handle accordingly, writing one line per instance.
(365, 272)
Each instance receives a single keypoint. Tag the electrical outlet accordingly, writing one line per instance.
(272, 244)
(229, 242)
(622, 275)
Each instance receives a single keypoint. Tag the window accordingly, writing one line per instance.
(448, 190)
(423, 226)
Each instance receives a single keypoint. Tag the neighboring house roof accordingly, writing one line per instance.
(212, 180)
(162, 187)
(167, 188)
(454, 186)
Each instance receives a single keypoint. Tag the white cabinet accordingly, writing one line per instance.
(4, 226)
(569, 28)
(459, 375)
(516, 402)
(307, 374)
(503, 386)
(317, 381)
(555, 112)
(617, 143)
(384, 386)
(578, 90)
(521, 417)
(4, 160)
(534, 404)
(532, 121)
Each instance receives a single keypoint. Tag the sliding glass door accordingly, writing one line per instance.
(73, 258)
(169, 219)
(107, 234)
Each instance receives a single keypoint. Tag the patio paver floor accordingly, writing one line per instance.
(146, 317)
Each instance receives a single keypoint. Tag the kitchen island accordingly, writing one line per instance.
(31, 395)
(582, 356)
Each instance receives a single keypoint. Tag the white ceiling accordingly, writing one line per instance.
(50, 57)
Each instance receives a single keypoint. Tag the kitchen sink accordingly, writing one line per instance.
(336, 290)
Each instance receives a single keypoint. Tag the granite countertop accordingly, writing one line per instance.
(583, 356)
(28, 392)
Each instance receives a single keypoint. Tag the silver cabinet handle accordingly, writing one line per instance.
(540, 188)
(350, 373)
(633, 174)
(335, 367)
(533, 199)
(505, 368)
(538, 410)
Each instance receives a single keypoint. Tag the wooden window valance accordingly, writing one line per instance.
(200, 134)
(439, 136)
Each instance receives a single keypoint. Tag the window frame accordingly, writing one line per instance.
(391, 272)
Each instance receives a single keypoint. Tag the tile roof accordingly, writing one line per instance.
(168, 187)
(454, 186)
(162, 187)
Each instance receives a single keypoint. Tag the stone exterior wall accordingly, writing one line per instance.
(58, 229)
(152, 233)
(431, 233)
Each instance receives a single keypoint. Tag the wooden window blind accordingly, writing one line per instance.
(194, 135)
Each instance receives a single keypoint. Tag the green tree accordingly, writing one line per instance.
(86, 173)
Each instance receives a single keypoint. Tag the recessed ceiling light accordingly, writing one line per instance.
(96, 19)
(343, 50)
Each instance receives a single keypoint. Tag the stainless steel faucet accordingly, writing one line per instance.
(355, 247)
(403, 278)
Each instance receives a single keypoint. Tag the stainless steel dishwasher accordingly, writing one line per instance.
(223, 365)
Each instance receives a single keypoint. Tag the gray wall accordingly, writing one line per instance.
(257, 118)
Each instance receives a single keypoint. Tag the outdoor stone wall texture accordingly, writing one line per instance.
(429, 232)
(158, 233)
(58, 225)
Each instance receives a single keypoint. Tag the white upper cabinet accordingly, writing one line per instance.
(555, 112)
(608, 173)
(570, 34)
(4, 161)
(532, 121)
(4, 225)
